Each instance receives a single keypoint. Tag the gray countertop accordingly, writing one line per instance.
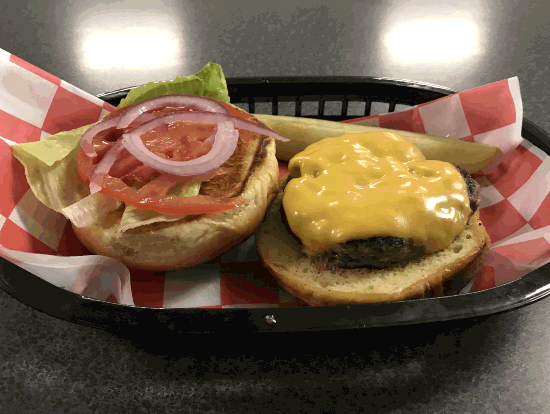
(491, 364)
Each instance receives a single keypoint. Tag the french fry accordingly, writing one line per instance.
(472, 156)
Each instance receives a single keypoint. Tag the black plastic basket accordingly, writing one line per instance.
(249, 93)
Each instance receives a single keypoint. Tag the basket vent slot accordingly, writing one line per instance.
(328, 108)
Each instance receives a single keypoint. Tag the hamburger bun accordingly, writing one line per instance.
(193, 239)
(441, 273)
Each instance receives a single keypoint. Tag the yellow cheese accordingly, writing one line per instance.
(373, 184)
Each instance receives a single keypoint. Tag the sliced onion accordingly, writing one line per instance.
(252, 127)
(103, 167)
(136, 121)
(225, 142)
(141, 119)
(87, 139)
(238, 122)
(200, 103)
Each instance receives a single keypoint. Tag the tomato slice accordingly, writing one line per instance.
(179, 141)
(155, 198)
(169, 143)
(125, 163)
(142, 174)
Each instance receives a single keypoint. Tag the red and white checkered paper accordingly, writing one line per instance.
(34, 104)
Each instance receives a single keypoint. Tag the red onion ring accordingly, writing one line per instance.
(225, 142)
(252, 127)
(200, 103)
(87, 139)
(237, 121)
(143, 118)
(104, 166)
(207, 111)
(139, 113)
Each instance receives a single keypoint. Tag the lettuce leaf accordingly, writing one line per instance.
(50, 164)
(209, 81)
(90, 208)
(50, 168)
(52, 149)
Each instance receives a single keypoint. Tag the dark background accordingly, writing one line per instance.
(493, 364)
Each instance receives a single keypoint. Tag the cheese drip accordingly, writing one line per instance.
(374, 184)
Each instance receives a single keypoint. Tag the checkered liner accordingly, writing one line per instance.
(35, 104)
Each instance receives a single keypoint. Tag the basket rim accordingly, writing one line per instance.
(316, 79)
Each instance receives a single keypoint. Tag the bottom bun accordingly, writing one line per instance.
(442, 273)
(195, 239)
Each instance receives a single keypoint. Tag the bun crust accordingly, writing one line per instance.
(438, 274)
(195, 239)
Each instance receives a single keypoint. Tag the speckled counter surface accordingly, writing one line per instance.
(493, 364)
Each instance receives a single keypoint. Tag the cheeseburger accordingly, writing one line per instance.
(364, 217)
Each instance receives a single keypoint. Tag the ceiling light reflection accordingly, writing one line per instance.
(433, 40)
(134, 47)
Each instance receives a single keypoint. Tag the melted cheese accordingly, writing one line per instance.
(373, 184)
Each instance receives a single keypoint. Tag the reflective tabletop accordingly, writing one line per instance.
(490, 364)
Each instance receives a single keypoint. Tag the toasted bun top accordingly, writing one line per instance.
(252, 172)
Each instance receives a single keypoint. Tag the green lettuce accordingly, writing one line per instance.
(209, 81)
(50, 164)
(50, 168)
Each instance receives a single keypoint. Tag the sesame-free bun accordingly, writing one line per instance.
(196, 239)
(441, 273)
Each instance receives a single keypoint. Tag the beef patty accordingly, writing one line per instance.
(382, 252)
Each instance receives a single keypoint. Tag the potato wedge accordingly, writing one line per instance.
(471, 156)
